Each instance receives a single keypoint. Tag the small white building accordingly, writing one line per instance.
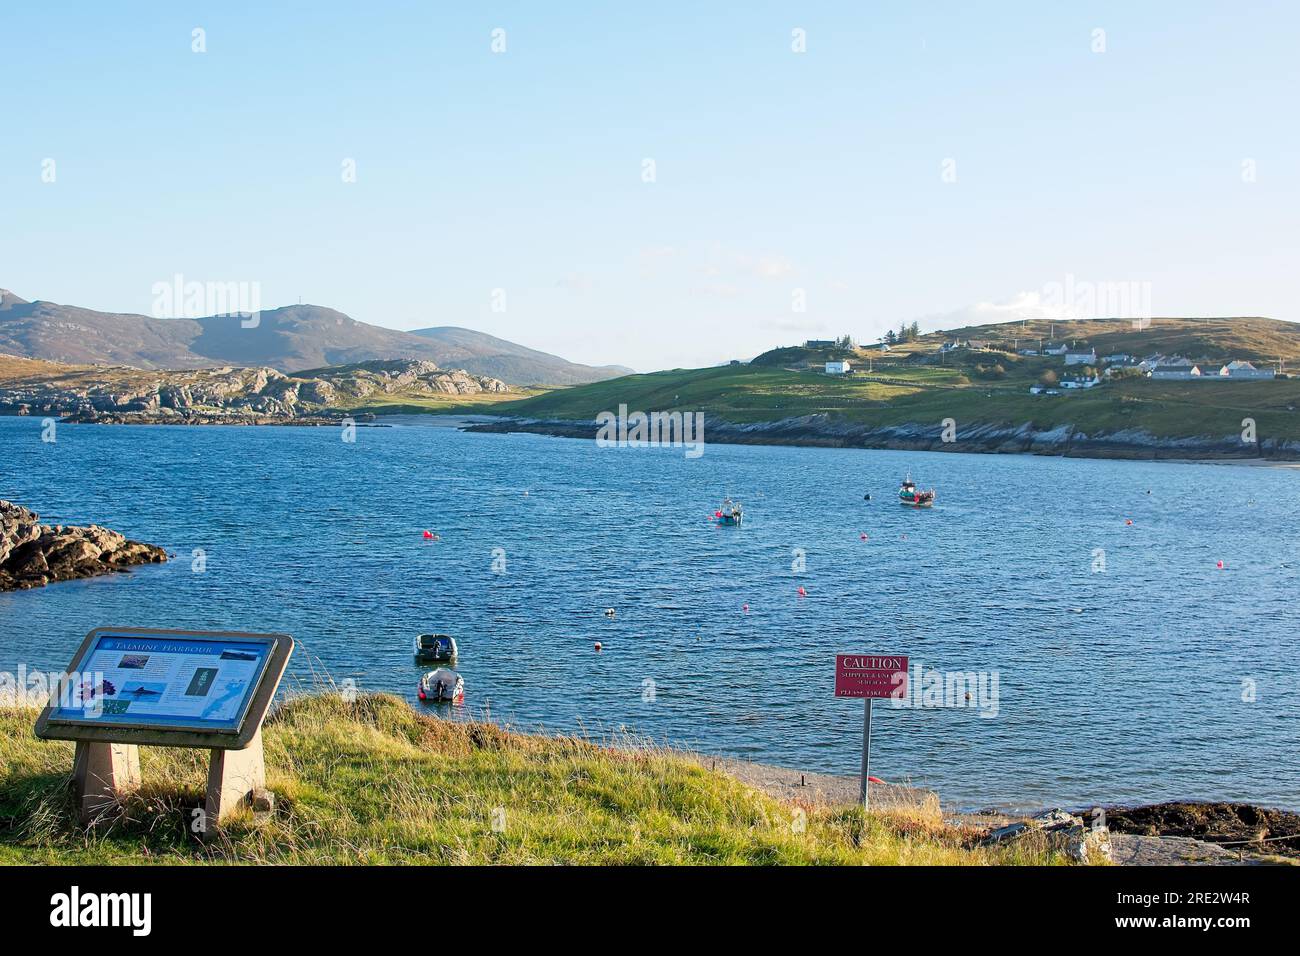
(837, 368)
(1055, 348)
(1081, 382)
(1080, 356)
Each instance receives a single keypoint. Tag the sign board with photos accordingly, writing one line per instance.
(167, 687)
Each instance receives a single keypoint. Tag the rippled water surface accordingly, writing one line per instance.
(1122, 685)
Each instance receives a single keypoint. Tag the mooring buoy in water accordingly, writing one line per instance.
(598, 647)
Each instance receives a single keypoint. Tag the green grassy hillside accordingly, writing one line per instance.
(374, 782)
(1252, 338)
(915, 383)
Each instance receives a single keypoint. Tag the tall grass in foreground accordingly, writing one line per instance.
(372, 782)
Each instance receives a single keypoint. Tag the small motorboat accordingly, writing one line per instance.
(729, 513)
(435, 649)
(912, 497)
(442, 684)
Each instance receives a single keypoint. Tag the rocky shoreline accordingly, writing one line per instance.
(1174, 833)
(151, 418)
(823, 431)
(230, 395)
(34, 554)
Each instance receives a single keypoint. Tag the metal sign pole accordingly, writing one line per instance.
(865, 790)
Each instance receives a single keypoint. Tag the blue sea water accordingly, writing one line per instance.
(1159, 677)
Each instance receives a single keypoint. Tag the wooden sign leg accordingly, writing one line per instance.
(102, 774)
(233, 776)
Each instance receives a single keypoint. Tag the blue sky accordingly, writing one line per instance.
(778, 175)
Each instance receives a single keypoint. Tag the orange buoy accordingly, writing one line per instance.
(1128, 521)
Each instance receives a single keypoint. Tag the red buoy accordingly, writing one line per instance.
(598, 646)
(1220, 565)
(802, 592)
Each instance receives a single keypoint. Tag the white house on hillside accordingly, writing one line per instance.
(837, 368)
(1081, 356)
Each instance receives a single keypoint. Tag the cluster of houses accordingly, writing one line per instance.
(1178, 368)
(1072, 356)
(1158, 366)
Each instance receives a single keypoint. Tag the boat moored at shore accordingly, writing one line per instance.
(435, 648)
(443, 684)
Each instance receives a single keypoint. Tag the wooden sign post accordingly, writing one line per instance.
(869, 676)
(201, 689)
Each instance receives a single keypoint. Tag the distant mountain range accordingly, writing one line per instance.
(291, 338)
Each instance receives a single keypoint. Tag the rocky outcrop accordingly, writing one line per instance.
(1240, 826)
(830, 432)
(1057, 831)
(34, 554)
(229, 394)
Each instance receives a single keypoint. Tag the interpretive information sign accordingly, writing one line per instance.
(128, 687)
(139, 679)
